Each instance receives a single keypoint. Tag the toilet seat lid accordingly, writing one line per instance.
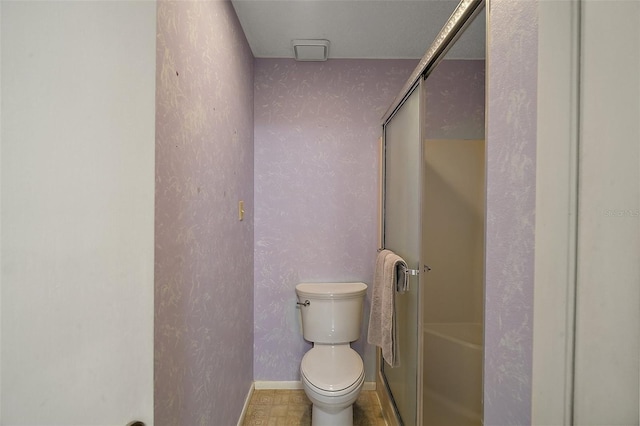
(332, 368)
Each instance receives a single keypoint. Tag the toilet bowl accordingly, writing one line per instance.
(332, 373)
(332, 377)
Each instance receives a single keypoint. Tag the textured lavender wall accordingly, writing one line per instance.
(316, 170)
(511, 145)
(204, 255)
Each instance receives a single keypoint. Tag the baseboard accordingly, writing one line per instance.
(260, 384)
(246, 405)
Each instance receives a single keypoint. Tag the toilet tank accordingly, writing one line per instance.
(334, 312)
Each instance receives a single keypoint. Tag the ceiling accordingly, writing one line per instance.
(371, 29)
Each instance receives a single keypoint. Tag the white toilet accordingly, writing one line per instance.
(332, 373)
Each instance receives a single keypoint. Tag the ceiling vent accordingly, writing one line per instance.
(311, 50)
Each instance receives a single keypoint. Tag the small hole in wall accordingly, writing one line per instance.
(177, 73)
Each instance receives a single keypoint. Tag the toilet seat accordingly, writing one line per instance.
(332, 370)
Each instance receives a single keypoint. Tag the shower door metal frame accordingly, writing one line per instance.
(459, 20)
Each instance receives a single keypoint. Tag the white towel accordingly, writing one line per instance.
(382, 319)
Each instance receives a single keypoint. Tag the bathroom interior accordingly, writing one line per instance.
(177, 187)
(433, 198)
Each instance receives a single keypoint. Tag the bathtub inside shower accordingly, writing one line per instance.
(452, 371)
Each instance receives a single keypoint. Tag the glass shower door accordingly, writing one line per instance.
(402, 235)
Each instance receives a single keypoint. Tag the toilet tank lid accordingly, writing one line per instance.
(331, 290)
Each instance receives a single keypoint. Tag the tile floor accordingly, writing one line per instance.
(292, 407)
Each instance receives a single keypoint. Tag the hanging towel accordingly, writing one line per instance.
(382, 319)
(400, 268)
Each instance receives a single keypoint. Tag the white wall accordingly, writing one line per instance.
(78, 94)
(588, 215)
(556, 206)
(607, 347)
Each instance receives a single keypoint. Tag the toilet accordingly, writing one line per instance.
(332, 372)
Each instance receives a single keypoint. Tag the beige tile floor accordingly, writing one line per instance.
(292, 407)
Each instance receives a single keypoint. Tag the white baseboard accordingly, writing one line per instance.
(259, 384)
(246, 405)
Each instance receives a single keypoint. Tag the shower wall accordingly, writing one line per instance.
(453, 232)
(316, 132)
(454, 155)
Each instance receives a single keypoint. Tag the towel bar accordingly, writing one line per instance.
(411, 271)
(406, 270)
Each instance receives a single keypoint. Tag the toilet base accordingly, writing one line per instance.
(319, 417)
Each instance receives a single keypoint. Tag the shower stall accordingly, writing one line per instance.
(433, 215)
